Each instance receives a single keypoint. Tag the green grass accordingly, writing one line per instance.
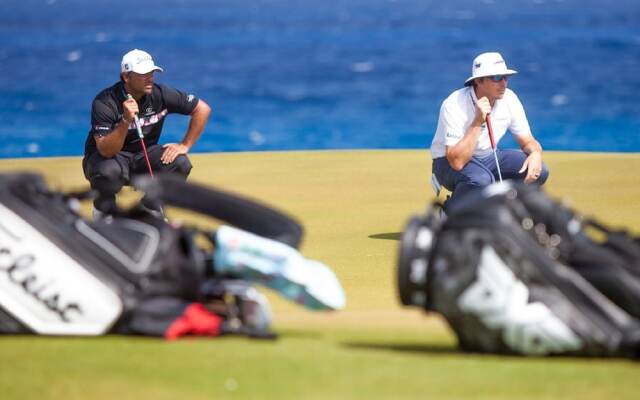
(353, 205)
(308, 364)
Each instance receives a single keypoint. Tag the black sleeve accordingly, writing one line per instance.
(178, 102)
(104, 117)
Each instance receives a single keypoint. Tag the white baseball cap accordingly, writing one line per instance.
(138, 61)
(488, 64)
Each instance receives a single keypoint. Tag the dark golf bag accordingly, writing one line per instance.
(61, 274)
(515, 272)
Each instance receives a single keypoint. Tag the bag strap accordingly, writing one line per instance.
(620, 241)
(243, 213)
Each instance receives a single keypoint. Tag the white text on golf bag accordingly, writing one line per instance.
(501, 301)
(47, 290)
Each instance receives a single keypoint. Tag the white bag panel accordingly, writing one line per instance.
(501, 302)
(47, 290)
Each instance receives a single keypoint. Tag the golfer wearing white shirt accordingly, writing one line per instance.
(461, 149)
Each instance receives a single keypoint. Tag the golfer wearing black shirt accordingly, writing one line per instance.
(113, 152)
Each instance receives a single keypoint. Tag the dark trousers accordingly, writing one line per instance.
(482, 171)
(108, 175)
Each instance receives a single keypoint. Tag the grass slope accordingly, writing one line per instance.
(354, 205)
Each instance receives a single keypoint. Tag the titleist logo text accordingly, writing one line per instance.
(19, 271)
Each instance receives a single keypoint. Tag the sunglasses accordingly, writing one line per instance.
(498, 78)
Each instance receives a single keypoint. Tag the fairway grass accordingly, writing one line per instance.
(353, 204)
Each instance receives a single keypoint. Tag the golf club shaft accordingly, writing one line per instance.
(493, 146)
(136, 121)
(141, 136)
(144, 146)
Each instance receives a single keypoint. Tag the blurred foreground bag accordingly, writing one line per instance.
(134, 273)
(515, 272)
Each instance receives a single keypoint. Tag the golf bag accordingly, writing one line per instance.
(61, 274)
(515, 272)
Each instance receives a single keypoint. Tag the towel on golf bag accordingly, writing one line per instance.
(61, 274)
(514, 271)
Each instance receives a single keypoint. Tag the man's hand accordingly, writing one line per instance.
(533, 163)
(533, 166)
(483, 107)
(171, 151)
(130, 109)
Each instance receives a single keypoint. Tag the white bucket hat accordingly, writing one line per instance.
(488, 64)
(138, 61)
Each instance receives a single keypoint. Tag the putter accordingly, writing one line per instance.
(141, 136)
(493, 146)
(136, 121)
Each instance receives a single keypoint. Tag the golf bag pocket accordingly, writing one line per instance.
(502, 283)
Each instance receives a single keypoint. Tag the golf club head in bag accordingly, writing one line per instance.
(277, 266)
(61, 274)
(246, 310)
(498, 278)
(608, 259)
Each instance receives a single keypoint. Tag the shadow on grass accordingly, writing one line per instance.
(404, 348)
(435, 349)
(387, 236)
(299, 334)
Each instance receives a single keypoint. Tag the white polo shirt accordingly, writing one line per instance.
(458, 111)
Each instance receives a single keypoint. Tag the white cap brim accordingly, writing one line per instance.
(146, 67)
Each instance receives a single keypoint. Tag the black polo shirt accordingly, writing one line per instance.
(106, 113)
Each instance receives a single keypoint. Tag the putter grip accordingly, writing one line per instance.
(136, 120)
(490, 129)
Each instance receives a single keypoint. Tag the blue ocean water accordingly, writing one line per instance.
(311, 74)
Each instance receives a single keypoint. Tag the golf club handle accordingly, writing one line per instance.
(490, 129)
(136, 120)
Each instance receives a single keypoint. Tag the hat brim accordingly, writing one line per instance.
(507, 72)
(146, 70)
